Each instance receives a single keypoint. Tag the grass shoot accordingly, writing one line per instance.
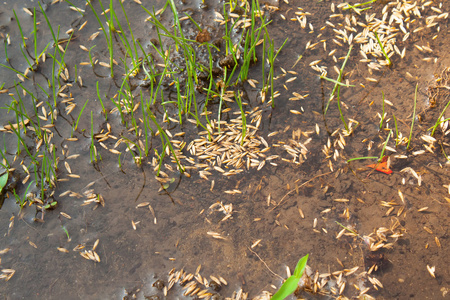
(382, 49)
(413, 117)
(291, 284)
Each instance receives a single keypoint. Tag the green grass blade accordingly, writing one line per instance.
(3, 180)
(382, 115)
(384, 146)
(365, 157)
(339, 78)
(413, 117)
(336, 82)
(290, 285)
(382, 48)
(439, 119)
(55, 39)
(79, 116)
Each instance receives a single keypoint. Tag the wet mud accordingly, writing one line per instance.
(368, 234)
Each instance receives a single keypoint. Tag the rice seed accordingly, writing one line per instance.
(256, 243)
(26, 10)
(64, 250)
(65, 215)
(82, 25)
(95, 244)
(432, 271)
(438, 243)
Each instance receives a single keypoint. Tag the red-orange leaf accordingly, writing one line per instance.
(381, 167)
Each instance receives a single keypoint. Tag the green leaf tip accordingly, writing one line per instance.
(3, 181)
(301, 265)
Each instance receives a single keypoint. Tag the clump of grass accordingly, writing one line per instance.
(244, 120)
(337, 89)
(22, 201)
(271, 56)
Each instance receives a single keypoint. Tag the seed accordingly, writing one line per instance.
(438, 243)
(64, 250)
(255, 243)
(82, 25)
(65, 215)
(431, 270)
(95, 244)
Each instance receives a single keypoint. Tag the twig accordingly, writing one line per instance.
(265, 264)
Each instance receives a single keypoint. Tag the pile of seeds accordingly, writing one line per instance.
(399, 20)
(195, 285)
(228, 149)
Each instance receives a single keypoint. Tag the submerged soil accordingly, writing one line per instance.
(325, 206)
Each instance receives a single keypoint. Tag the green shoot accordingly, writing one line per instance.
(382, 115)
(413, 116)
(355, 7)
(384, 146)
(244, 120)
(336, 82)
(55, 38)
(439, 120)
(93, 149)
(365, 157)
(101, 103)
(348, 229)
(66, 231)
(79, 116)
(339, 107)
(396, 130)
(3, 181)
(339, 79)
(382, 49)
(20, 29)
(290, 285)
(164, 136)
(374, 157)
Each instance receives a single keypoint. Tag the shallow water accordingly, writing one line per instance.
(291, 208)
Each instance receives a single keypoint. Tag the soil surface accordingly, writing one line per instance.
(367, 233)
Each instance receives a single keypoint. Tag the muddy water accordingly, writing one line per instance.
(292, 209)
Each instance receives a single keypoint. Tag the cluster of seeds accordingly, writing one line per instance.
(195, 285)
(399, 20)
(230, 147)
(88, 254)
(6, 274)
